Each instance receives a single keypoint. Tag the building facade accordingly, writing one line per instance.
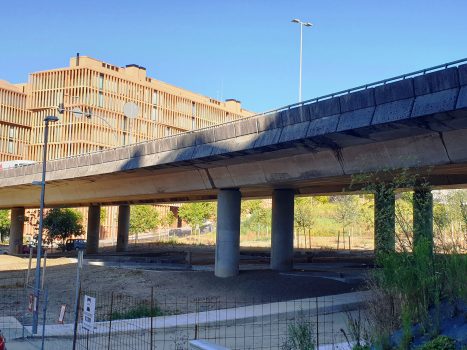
(103, 89)
(15, 122)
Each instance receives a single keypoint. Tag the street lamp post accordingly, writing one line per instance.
(35, 316)
(301, 49)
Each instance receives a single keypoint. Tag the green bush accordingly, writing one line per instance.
(440, 343)
(300, 335)
(137, 312)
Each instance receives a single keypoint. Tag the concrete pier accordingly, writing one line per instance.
(94, 218)
(123, 229)
(228, 232)
(16, 231)
(422, 216)
(385, 222)
(282, 230)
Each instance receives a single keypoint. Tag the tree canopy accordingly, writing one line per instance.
(143, 218)
(62, 223)
(196, 213)
(4, 224)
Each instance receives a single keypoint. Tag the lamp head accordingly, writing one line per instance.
(50, 119)
(308, 24)
(296, 21)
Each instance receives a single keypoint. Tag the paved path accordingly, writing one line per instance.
(230, 327)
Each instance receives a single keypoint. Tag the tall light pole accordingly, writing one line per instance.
(301, 49)
(35, 316)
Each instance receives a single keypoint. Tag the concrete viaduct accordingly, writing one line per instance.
(304, 149)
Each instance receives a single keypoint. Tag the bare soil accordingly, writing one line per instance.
(184, 288)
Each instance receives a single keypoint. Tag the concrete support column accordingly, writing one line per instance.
(94, 223)
(385, 222)
(422, 216)
(16, 231)
(123, 229)
(228, 232)
(282, 230)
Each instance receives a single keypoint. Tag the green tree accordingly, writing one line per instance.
(103, 216)
(255, 214)
(143, 218)
(196, 213)
(62, 223)
(347, 210)
(303, 215)
(4, 224)
(168, 219)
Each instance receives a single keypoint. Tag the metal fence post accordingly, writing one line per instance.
(110, 324)
(45, 312)
(152, 306)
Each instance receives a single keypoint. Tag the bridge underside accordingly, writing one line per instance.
(256, 175)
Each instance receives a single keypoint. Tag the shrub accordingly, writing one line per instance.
(440, 343)
(300, 335)
(137, 312)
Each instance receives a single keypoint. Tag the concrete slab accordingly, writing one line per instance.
(294, 132)
(246, 127)
(268, 138)
(203, 151)
(444, 79)
(246, 174)
(398, 90)
(269, 122)
(224, 132)
(462, 74)
(324, 108)
(356, 119)
(455, 145)
(187, 140)
(357, 100)
(221, 177)
(323, 126)
(168, 144)
(204, 137)
(434, 103)
(462, 98)
(393, 111)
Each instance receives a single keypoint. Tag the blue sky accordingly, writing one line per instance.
(251, 46)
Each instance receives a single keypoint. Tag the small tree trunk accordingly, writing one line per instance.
(338, 239)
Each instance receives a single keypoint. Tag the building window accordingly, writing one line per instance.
(193, 109)
(168, 131)
(154, 98)
(192, 123)
(154, 113)
(10, 146)
(227, 117)
(101, 81)
(124, 140)
(124, 124)
(100, 99)
(12, 131)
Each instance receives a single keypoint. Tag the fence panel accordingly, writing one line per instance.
(125, 322)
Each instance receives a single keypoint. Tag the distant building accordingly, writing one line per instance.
(104, 89)
(15, 122)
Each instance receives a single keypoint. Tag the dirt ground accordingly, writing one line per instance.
(184, 288)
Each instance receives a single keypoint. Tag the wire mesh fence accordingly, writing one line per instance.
(11, 306)
(125, 322)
